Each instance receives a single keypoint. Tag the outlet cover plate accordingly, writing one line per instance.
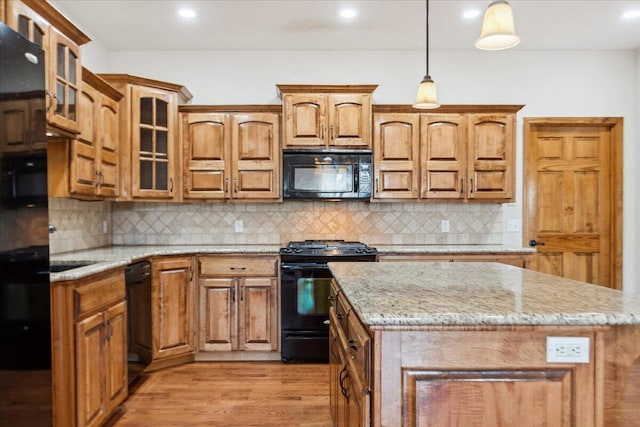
(568, 349)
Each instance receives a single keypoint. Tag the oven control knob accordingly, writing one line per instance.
(359, 250)
(287, 250)
(369, 250)
(297, 250)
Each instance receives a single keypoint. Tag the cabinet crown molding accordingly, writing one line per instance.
(100, 84)
(58, 20)
(183, 93)
(448, 109)
(283, 88)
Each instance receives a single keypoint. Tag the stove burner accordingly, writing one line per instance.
(327, 248)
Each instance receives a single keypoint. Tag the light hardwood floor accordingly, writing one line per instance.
(230, 394)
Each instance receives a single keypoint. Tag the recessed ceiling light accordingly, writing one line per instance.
(187, 13)
(471, 13)
(348, 13)
(631, 14)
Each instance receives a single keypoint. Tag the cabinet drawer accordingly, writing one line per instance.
(98, 292)
(238, 266)
(358, 343)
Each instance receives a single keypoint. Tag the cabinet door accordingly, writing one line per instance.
(206, 143)
(257, 320)
(14, 133)
(172, 307)
(83, 174)
(218, 315)
(255, 156)
(153, 145)
(29, 24)
(305, 120)
(358, 402)
(350, 120)
(90, 370)
(490, 159)
(115, 355)
(108, 142)
(64, 79)
(395, 148)
(443, 156)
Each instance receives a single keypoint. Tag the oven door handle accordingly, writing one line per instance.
(303, 266)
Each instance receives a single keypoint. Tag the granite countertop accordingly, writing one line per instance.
(103, 259)
(392, 294)
(451, 249)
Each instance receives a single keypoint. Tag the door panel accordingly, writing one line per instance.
(570, 198)
(258, 314)
(218, 318)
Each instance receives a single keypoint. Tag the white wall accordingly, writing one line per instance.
(548, 83)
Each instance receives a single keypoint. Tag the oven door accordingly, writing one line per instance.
(305, 296)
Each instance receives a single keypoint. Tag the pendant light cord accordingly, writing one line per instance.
(427, 34)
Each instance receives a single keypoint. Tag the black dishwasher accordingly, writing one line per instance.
(138, 285)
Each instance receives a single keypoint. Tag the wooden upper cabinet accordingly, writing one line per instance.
(39, 22)
(395, 150)
(442, 156)
(490, 158)
(87, 166)
(149, 156)
(255, 156)
(231, 155)
(326, 116)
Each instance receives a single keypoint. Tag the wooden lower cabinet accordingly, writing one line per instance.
(89, 330)
(238, 303)
(172, 309)
(516, 259)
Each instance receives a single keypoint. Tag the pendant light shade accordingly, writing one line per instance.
(498, 29)
(427, 97)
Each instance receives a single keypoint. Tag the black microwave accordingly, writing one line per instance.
(24, 180)
(326, 175)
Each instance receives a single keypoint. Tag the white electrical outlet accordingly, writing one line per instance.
(444, 225)
(238, 226)
(568, 349)
(513, 225)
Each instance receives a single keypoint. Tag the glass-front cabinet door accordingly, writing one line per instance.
(153, 153)
(65, 72)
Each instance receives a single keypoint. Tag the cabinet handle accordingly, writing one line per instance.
(235, 185)
(340, 316)
(322, 131)
(97, 179)
(242, 293)
(237, 268)
(331, 298)
(326, 322)
(331, 136)
(343, 377)
(190, 273)
(377, 185)
(233, 294)
(170, 184)
(109, 327)
(461, 186)
(352, 344)
(51, 100)
(226, 186)
(471, 188)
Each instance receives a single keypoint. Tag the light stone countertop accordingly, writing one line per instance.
(103, 259)
(406, 294)
(106, 258)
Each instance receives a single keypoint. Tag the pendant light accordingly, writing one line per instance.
(427, 97)
(498, 29)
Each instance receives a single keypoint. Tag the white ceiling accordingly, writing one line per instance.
(315, 24)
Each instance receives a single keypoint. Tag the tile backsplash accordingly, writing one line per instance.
(79, 225)
(372, 223)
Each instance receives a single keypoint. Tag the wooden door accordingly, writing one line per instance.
(443, 139)
(305, 120)
(350, 120)
(84, 174)
(255, 156)
(218, 315)
(153, 145)
(206, 144)
(257, 320)
(90, 370)
(64, 81)
(108, 142)
(115, 355)
(396, 158)
(573, 197)
(172, 308)
(490, 156)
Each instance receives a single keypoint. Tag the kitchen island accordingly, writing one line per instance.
(482, 344)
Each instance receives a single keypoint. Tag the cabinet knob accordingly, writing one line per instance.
(533, 243)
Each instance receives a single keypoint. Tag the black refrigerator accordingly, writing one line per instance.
(25, 319)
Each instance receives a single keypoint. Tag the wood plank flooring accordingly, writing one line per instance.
(230, 394)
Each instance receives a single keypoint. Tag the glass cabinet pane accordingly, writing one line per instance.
(38, 35)
(146, 175)
(161, 176)
(146, 140)
(146, 111)
(72, 104)
(161, 143)
(162, 110)
(60, 70)
(60, 98)
(72, 68)
(23, 26)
